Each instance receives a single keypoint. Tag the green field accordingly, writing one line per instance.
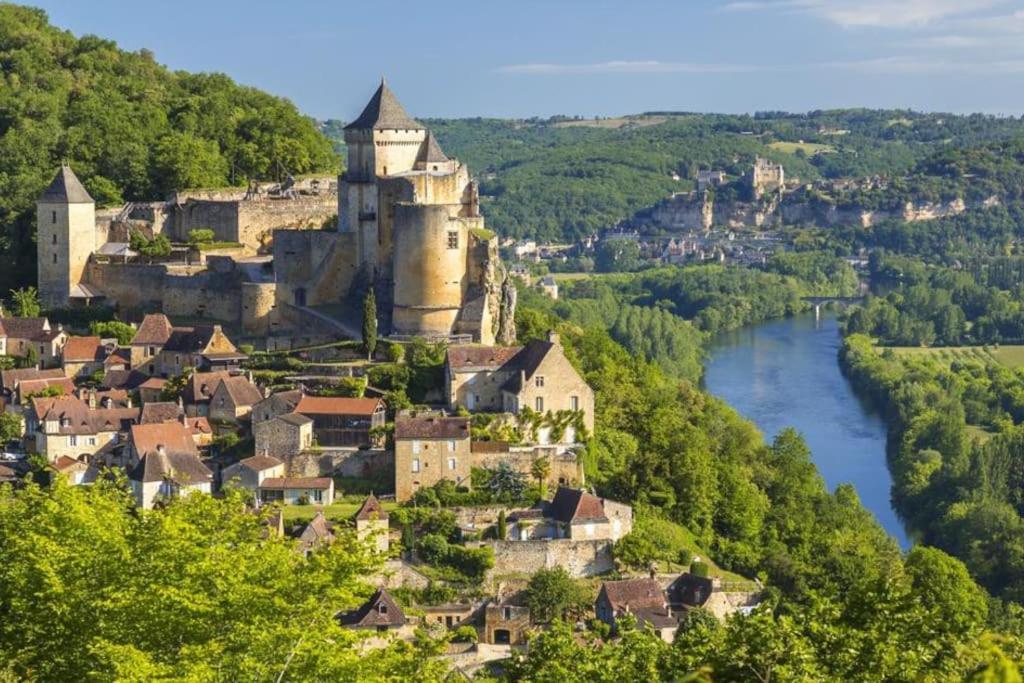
(1011, 356)
(337, 512)
(809, 148)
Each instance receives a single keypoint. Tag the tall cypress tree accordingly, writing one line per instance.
(370, 324)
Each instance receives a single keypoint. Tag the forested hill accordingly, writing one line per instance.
(557, 179)
(131, 128)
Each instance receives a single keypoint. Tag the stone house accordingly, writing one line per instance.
(276, 404)
(151, 390)
(584, 516)
(548, 286)
(710, 593)
(158, 348)
(506, 622)
(250, 472)
(430, 448)
(233, 399)
(283, 435)
(450, 615)
(199, 391)
(296, 490)
(537, 377)
(18, 335)
(315, 534)
(371, 520)
(340, 422)
(165, 463)
(149, 339)
(380, 613)
(75, 472)
(66, 425)
(642, 599)
(82, 356)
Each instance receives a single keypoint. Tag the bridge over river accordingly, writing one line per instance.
(838, 301)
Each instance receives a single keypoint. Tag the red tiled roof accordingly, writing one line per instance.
(155, 329)
(25, 328)
(576, 505)
(371, 509)
(634, 593)
(335, 405)
(11, 378)
(173, 436)
(161, 411)
(258, 463)
(83, 349)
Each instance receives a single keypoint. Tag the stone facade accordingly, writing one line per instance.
(66, 224)
(578, 558)
(429, 449)
(283, 436)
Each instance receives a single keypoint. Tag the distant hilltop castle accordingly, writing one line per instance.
(408, 226)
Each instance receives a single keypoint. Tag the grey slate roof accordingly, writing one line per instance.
(384, 112)
(181, 468)
(379, 610)
(432, 152)
(66, 188)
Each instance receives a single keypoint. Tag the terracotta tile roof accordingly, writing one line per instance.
(160, 411)
(572, 506)
(32, 386)
(371, 509)
(155, 329)
(66, 462)
(172, 436)
(634, 594)
(74, 416)
(83, 349)
(276, 483)
(10, 378)
(470, 357)
(198, 425)
(118, 357)
(379, 610)
(201, 385)
(154, 383)
(336, 405)
(258, 463)
(179, 467)
(25, 328)
(431, 427)
(241, 390)
(118, 397)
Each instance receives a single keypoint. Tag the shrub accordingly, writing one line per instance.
(698, 568)
(464, 634)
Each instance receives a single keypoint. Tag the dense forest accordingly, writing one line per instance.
(131, 128)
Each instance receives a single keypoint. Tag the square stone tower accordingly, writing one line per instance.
(66, 237)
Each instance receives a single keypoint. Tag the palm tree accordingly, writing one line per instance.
(541, 470)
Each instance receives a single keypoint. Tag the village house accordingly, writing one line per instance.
(536, 377)
(449, 615)
(283, 435)
(506, 622)
(548, 286)
(276, 404)
(250, 472)
(158, 348)
(82, 356)
(315, 534)
(166, 464)
(66, 425)
(572, 514)
(22, 336)
(152, 389)
(712, 594)
(340, 422)
(429, 448)
(380, 613)
(199, 390)
(100, 398)
(75, 472)
(233, 399)
(643, 599)
(297, 490)
(371, 521)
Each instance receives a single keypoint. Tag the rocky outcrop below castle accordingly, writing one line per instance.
(696, 211)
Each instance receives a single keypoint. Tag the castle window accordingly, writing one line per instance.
(54, 258)
(539, 381)
(540, 404)
(453, 239)
(55, 238)
(53, 217)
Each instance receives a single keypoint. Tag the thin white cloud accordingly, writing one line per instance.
(626, 67)
(872, 13)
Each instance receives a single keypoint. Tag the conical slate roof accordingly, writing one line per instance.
(66, 188)
(384, 111)
(432, 152)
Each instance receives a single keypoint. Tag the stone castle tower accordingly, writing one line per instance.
(66, 236)
(419, 236)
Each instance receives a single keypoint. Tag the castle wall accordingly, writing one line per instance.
(251, 221)
(430, 269)
(258, 303)
(578, 558)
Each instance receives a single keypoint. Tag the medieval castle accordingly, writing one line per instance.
(407, 225)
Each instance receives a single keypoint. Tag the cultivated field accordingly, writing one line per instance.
(809, 148)
(1010, 356)
(616, 122)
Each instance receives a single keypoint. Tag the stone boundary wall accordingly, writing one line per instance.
(343, 463)
(579, 558)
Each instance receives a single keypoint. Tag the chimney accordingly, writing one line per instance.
(554, 338)
(128, 401)
(160, 449)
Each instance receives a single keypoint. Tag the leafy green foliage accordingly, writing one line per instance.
(26, 302)
(113, 329)
(370, 324)
(552, 594)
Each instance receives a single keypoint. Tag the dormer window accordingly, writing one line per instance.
(382, 608)
(65, 422)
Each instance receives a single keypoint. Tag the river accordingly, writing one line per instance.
(784, 373)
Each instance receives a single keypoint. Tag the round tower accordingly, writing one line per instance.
(430, 269)
(65, 238)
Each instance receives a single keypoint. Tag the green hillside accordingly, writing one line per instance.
(131, 128)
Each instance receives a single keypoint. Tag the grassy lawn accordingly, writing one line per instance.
(337, 511)
(809, 148)
(1010, 356)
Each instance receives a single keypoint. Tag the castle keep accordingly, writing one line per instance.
(408, 226)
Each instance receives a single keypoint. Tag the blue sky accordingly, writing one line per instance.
(589, 57)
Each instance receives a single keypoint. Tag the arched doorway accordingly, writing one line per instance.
(502, 636)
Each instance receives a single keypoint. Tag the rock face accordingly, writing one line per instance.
(696, 211)
(506, 333)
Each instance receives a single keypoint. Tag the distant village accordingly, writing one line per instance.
(240, 372)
